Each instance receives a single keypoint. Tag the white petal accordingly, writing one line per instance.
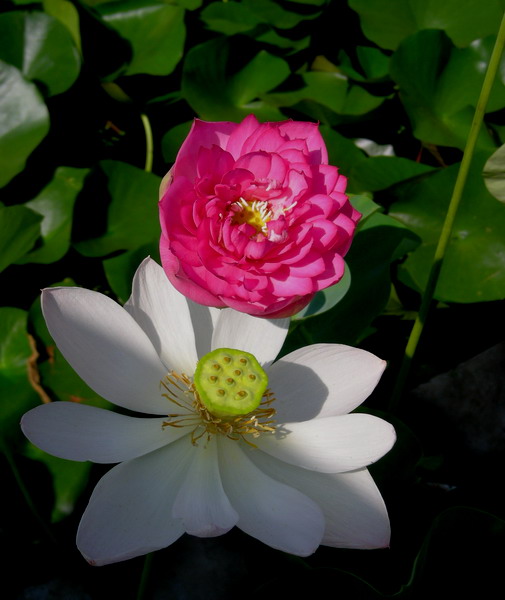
(354, 511)
(204, 320)
(323, 380)
(261, 337)
(130, 510)
(164, 315)
(201, 502)
(272, 512)
(80, 432)
(331, 445)
(106, 347)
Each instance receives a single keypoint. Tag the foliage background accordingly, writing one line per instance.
(84, 84)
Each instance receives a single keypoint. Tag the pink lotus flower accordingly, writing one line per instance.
(253, 217)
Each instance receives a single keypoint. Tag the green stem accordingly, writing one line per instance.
(445, 235)
(149, 142)
(23, 489)
(144, 578)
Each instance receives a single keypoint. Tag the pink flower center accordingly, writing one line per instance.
(255, 213)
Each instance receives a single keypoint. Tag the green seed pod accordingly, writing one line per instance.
(230, 382)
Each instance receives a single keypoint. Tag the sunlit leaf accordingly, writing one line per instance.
(439, 98)
(494, 174)
(16, 394)
(41, 48)
(155, 30)
(66, 13)
(474, 266)
(24, 121)
(326, 299)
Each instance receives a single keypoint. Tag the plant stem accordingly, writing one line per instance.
(445, 235)
(149, 142)
(23, 489)
(144, 578)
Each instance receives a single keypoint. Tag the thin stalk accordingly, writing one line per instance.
(445, 235)
(149, 143)
(23, 489)
(144, 578)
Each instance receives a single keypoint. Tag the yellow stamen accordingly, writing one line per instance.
(255, 213)
(197, 416)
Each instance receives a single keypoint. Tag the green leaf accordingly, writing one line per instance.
(67, 14)
(332, 90)
(379, 241)
(19, 230)
(374, 64)
(41, 48)
(365, 205)
(326, 299)
(215, 93)
(342, 152)
(388, 22)
(439, 84)
(229, 17)
(269, 11)
(155, 31)
(69, 479)
(133, 211)
(16, 394)
(55, 204)
(380, 172)
(14, 346)
(120, 270)
(172, 141)
(24, 121)
(474, 266)
(494, 174)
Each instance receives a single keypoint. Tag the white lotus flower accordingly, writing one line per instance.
(292, 473)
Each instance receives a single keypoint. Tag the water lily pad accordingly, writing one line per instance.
(41, 48)
(24, 121)
(388, 22)
(474, 265)
(326, 299)
(155, 31)
(16, 394)
(55, 204)
(215, 93)
(439, 99)
(66, 13)
(19, 230)
(380, 172)
(380, 240)
(132, 219)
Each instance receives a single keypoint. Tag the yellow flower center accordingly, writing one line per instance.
(255, 213)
